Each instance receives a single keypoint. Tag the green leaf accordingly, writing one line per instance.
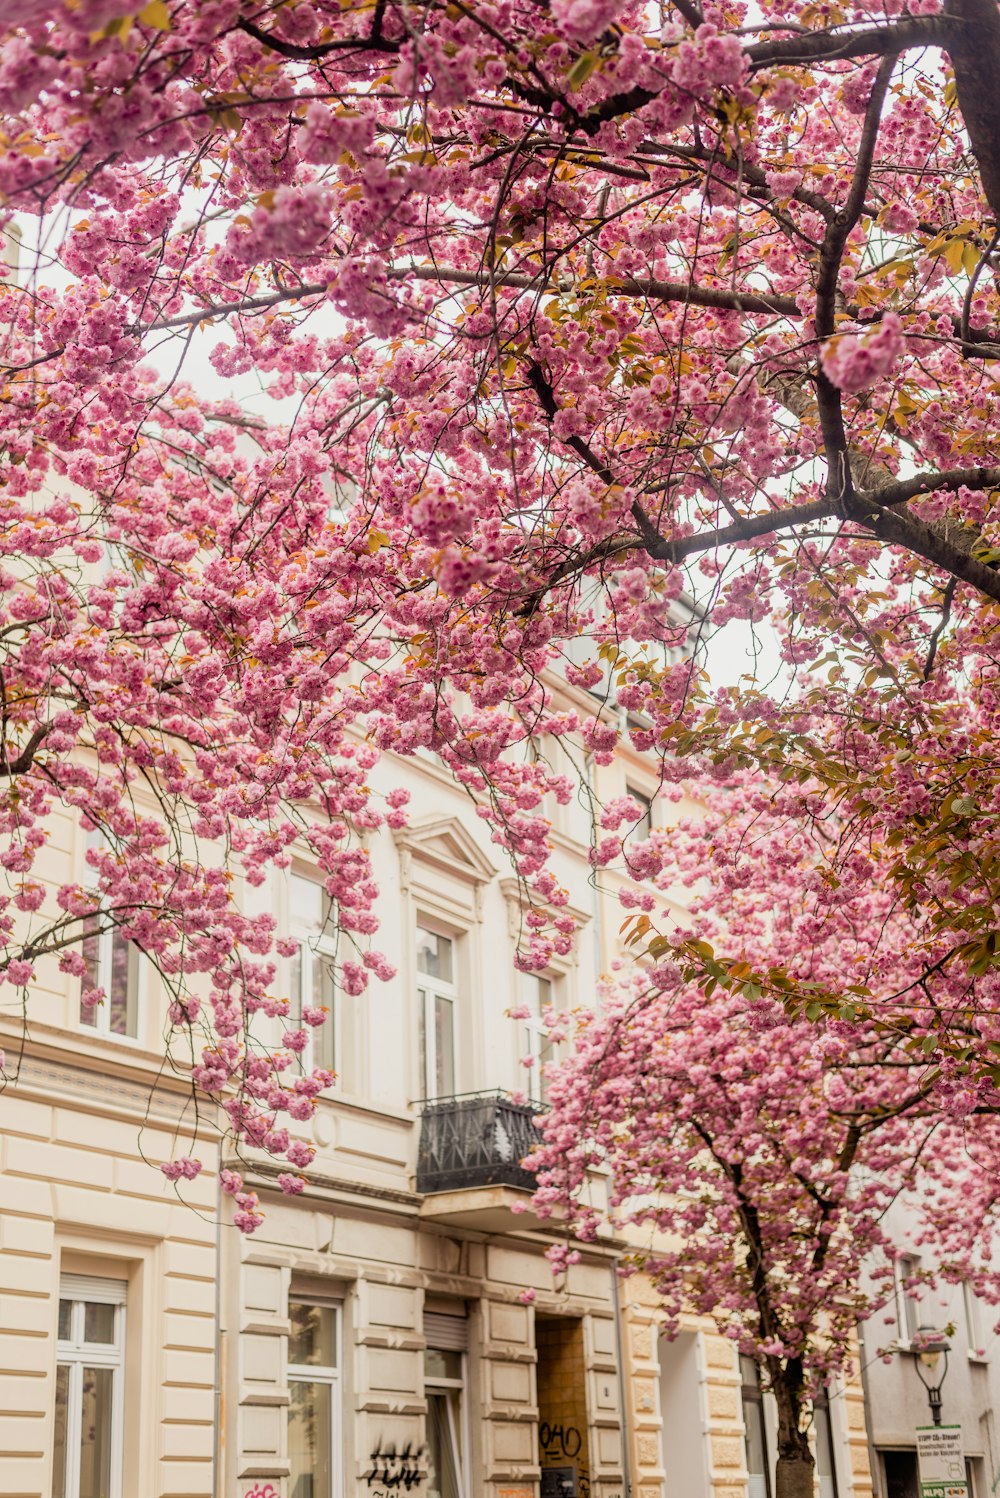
(586, 64)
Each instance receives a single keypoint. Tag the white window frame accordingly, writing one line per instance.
(100, 1022)
(752, 1402)
(75, 1354)
(430, 991)
(823, 1404)
(907, 1306)
(313, 1373)
(974, 1324)
(644, 799)
(460, 1431)
(536, 1034)
(313, 949)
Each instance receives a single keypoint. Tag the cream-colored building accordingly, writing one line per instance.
(395, 1329)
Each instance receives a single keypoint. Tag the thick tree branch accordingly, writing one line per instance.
(902, 529)
(720, 298)
(821, 46)
(373, 42)
(974, 45)
(840, 44)
(23, 762)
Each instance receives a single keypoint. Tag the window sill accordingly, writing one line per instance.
(134, 1041)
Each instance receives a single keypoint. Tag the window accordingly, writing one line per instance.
(538, 998)
(644, 825)
(826, 1463)
(90, 1368)
(444, 1389)
(755, 1437)
(311, 980)
(314, 1398)
(112, 964)
(907, 1304)
(973, 1322)
(437, 997)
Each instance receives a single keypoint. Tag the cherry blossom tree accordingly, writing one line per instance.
(752, 1156)
(580, 310)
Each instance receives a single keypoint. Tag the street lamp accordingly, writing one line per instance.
(932, 1365)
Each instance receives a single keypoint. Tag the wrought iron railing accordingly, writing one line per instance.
(477, 1139)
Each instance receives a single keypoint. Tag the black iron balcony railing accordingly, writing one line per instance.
(477, 1139)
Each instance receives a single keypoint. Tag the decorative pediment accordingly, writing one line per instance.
(444, 843)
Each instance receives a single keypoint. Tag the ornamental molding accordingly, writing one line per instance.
(443, 843)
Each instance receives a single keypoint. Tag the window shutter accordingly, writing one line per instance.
(93, 1287)
(446, 1333)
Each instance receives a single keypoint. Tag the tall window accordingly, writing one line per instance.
(90, 1369)
(907, 1304)
(826, 1464)
(444, 1389)
(538, 998)
(112, 964)
(644, 825)
(314, 1398)
(973, 1322)
(312, 969)
(755, 1438)
(437, 997)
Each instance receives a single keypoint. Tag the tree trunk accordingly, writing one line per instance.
(795, 1471)
(795, 1476)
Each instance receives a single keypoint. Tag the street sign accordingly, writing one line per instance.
(941, 1461)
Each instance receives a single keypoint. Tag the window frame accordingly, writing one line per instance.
(643, 827)
(458, 1429)
(822, 1405)
(907, 1305)
(330, 1377)
(753, 1395)
(972, 1308)
(536, 1033)
(99, 1022)
(313, 948)
(429, 991)
(75, 1354)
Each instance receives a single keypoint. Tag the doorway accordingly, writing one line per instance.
(563, 1447)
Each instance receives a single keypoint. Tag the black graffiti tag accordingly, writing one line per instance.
(558, 1440)
(393, 1469)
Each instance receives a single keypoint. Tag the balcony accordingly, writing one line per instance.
(469, 1166)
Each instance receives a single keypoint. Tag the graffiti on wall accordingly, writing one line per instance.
(562, 1475)
(559, 1440)
(267, 1491)
(393, 1471)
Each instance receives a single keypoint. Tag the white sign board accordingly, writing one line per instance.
(941, 1461)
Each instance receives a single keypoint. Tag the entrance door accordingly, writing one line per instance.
(900, 1468)
(563, 1452)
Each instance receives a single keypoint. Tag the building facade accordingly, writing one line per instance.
(396, 1328)
(897, 1378)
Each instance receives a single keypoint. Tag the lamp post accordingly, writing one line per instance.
(932, 1366)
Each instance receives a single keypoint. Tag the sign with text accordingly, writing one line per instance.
(941, 1461)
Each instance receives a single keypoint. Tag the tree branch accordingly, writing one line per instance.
(25, 759)
(374, 42)
(840, 44)
(632, 286)
(973, 41)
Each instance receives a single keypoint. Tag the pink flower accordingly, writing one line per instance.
(854, 363)
(583, 20)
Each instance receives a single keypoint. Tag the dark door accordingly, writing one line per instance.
(900, 1469)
